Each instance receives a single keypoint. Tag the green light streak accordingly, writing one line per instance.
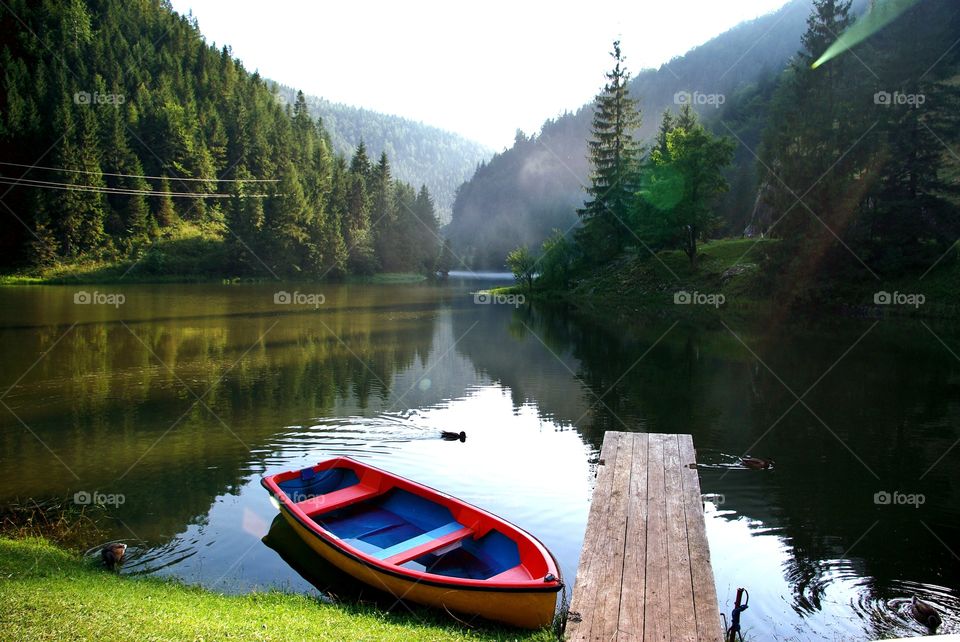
(882, 14)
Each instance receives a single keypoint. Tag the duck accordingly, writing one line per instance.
(453, 436)
(925, 613)
(757, 463)
(112, 555)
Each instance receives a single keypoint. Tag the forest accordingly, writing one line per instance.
(419, 153)
(120, 126)
(527, 191)
(855, 177)
(887, 204)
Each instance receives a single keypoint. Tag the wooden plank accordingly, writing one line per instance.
(683, 621)
(585, 589)
(656, 621)
(706, 607)
(644, 571)
(609, 583)
(630, 623)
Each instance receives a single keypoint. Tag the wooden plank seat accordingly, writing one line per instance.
(337, 499)
(414, 547)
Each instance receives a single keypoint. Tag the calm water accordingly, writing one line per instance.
(181, 398)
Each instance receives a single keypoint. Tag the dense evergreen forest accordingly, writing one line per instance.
(419, 154)
(118, 124)
(536, 186)
(857, 173)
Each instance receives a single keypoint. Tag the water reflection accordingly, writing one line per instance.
(182, 398)
(878, 410)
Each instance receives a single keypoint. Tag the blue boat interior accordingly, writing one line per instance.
(476, 559)
(398, 521)
(310, 484)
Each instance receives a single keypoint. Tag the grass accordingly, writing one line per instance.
(642, 282)
(57, 520)
(737, 269)
(184, 253)
(49, 593)
(389, 277)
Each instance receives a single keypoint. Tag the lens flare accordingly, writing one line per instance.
(878, 17)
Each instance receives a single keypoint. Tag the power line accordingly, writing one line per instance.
(26, 182)
(175, 178)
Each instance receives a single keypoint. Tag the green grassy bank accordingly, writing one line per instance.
(49, 593)
(186, 253)
(734, 269)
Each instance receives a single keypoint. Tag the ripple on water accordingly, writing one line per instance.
(889, 613)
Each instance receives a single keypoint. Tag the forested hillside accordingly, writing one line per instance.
(536, 186)
(119, 124)
(855, 158)
(419, 154)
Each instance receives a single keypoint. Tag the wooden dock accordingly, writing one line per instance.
(644, 570)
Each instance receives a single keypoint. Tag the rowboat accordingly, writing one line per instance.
(417, 543)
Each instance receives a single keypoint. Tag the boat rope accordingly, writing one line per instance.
(739, 607)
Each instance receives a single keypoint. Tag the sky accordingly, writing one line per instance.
(480, 70)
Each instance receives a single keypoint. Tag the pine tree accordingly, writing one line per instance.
(129, 217)
(815, 121)
(906, 220)
(614, 155)
(383, 215)
(165, 215)
(666, 124)
(358, 235)
(78, 215)
(446, 260)
(426, 233)
(285, 222)
(245, 219)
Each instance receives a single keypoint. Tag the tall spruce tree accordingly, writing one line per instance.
(614, 154)
(809, 149)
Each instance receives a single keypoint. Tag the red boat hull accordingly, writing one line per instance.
(417, 543)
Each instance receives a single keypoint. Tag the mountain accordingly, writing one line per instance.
(419, 154)
(122, 132)
(519, 196)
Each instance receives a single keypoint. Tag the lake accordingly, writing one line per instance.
(169, 402)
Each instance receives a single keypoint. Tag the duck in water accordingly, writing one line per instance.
(112, 555)
(453, 436)
(926, 614)
(757, 463)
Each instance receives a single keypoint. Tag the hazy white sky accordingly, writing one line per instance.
(480, 69)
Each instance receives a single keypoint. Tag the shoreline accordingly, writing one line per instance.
(48, 590)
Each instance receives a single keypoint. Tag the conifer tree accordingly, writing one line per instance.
(613, 155)
(165, 214)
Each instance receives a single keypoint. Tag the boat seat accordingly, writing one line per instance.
(337, 499)
(422, 544)
(518, 573)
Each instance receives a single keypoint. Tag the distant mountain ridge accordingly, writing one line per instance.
(420, 154)
(522, 194)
